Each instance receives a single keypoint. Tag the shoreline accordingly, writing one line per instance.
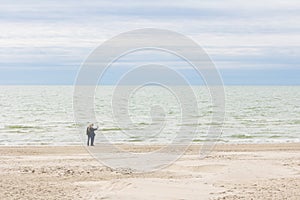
(217, 146)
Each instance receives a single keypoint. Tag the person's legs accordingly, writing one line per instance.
(88, 141)
(92, 140)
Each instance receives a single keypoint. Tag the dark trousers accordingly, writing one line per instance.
(91, 137)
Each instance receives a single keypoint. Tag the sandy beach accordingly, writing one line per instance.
(261, 171)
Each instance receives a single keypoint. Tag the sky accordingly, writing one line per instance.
(253, 42)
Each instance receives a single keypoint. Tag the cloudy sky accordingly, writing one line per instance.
(250, 42)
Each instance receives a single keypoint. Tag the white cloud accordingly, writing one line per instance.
(65, 32)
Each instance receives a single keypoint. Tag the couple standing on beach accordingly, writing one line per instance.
(90, 132)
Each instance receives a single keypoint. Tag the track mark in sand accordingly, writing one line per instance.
(115, 185)
(102, 189)
(198, 168)
(205, 168)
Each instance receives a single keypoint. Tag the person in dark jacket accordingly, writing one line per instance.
(90, 131)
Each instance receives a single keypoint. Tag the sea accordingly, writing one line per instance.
(44, 115)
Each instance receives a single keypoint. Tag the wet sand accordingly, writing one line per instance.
(262, 171)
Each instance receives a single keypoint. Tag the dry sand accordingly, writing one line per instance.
(266, 171)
